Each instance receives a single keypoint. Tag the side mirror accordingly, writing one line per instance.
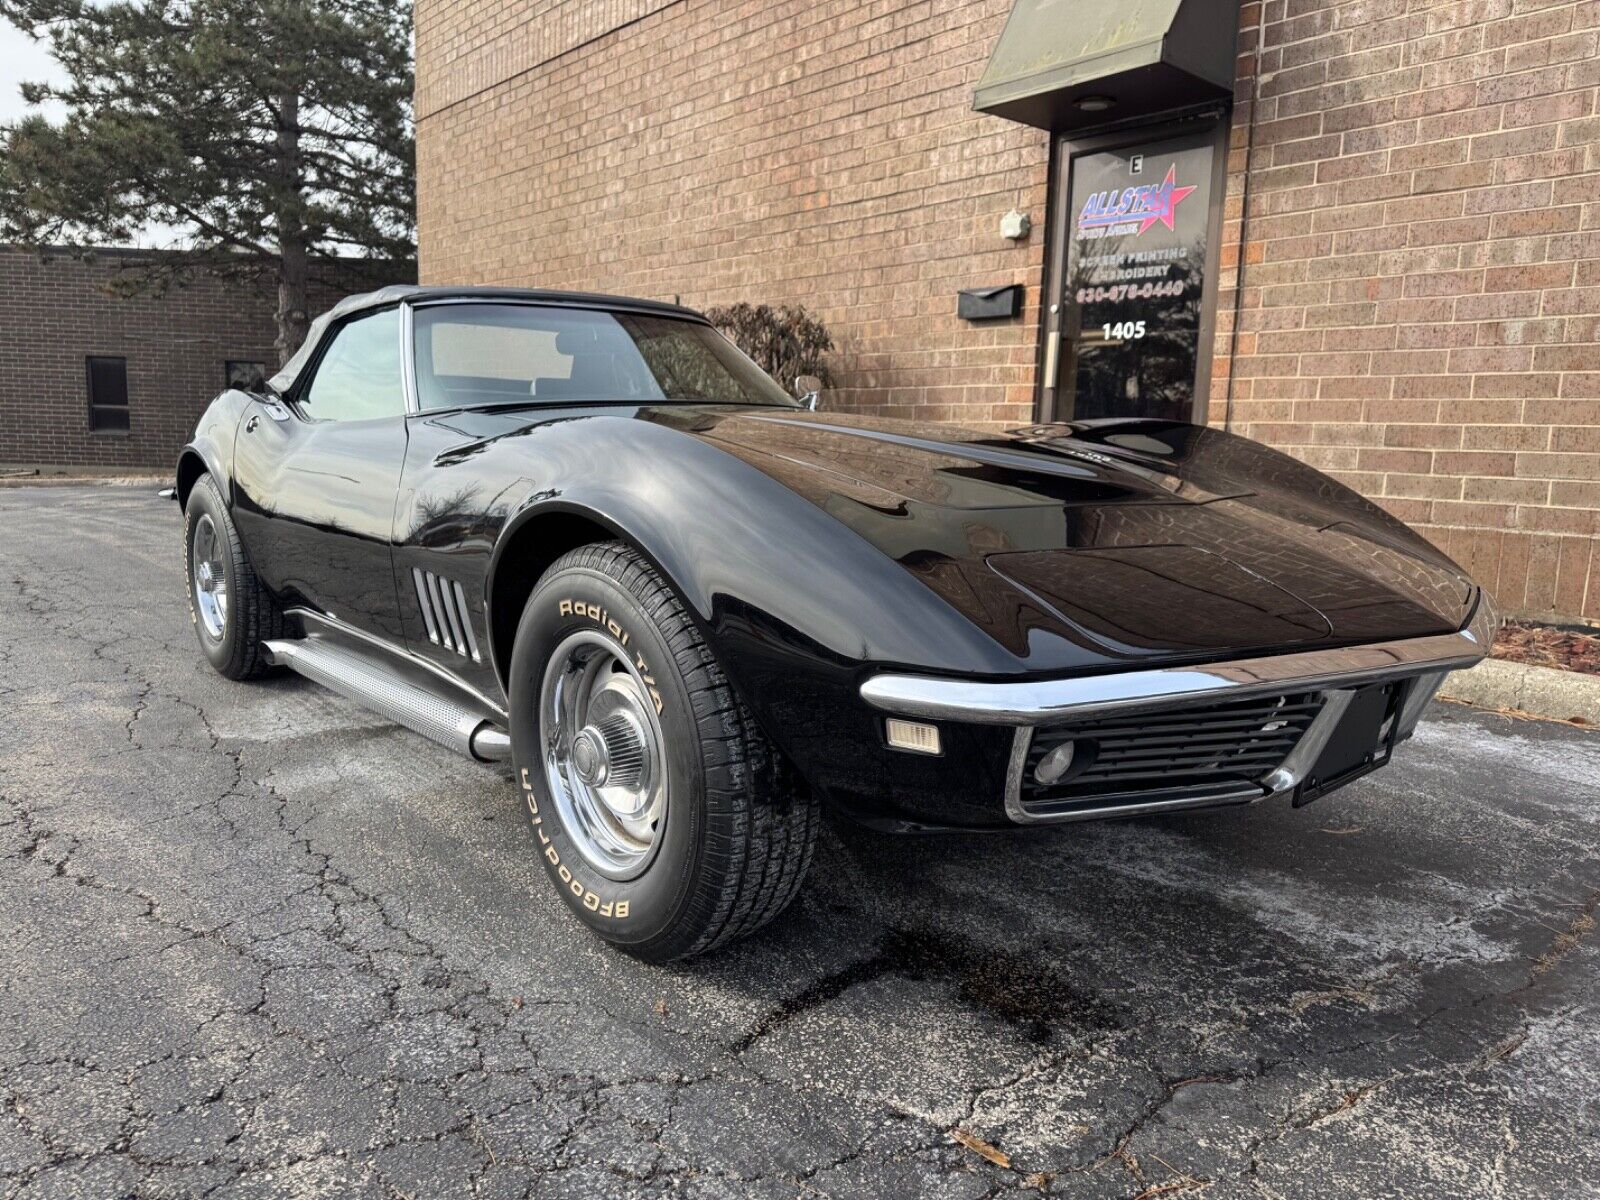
(808, 390)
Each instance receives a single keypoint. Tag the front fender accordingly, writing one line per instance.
(797, 607)
(745, 552)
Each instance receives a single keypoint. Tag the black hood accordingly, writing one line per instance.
(1136, 539)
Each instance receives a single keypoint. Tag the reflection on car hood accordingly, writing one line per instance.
(1138, 539)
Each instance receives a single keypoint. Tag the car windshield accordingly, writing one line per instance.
(475, 354)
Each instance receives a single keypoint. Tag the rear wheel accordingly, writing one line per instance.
(667, 821)
(231, 612)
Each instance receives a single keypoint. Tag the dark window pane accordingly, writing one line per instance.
(108, 418)
(358, 376)
(108, 392)
(245, 375)
(1135, 271)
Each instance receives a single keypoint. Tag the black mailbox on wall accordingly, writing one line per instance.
(988, 304)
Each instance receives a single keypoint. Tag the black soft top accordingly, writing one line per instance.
(415, 293)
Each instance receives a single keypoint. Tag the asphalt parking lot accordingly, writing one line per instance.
(256, 942)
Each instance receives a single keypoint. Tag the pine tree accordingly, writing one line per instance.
(271, 133)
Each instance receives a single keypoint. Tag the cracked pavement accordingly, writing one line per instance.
(255, 942)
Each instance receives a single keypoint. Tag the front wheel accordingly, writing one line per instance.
(667, 821)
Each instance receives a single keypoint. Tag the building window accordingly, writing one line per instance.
(108, 394)
(245, 375)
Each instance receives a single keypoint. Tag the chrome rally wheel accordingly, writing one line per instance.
(665, 820)
(604, 754)
(210, 576)
(231, 611)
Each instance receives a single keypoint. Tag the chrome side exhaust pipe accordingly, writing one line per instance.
(387, 694)
(489, 744)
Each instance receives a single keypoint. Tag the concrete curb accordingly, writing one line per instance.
(131, 479)
(1539, 691)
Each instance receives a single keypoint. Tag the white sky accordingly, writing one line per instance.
(23, 60)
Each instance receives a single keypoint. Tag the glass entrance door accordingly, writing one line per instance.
(1134, 277)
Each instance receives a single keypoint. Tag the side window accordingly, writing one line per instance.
(358, 376)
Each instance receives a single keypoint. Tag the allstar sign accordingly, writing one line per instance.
(1149, 205)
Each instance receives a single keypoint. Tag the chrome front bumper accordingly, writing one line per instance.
(1335, 673)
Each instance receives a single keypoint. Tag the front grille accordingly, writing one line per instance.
(1217, 751)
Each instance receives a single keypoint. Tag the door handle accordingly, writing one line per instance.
(1052, 357)
(250, 425)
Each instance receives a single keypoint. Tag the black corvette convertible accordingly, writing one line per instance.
(587, 534)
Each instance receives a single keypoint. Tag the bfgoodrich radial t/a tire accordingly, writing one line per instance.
(231, 612)
(663, 816)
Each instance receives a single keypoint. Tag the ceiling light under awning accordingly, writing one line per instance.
(1069, 65)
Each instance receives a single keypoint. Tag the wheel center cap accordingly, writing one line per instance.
(589, 756)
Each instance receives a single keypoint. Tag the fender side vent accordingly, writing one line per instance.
(445, 613)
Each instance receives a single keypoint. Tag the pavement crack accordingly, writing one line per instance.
(1568, 939)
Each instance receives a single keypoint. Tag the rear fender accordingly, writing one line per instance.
(210, 451)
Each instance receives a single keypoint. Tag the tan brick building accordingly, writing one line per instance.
(1384, 246)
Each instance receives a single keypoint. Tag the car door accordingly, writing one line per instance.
(316, 477)
(472, 364)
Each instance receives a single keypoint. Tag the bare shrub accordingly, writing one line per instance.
(785, 341)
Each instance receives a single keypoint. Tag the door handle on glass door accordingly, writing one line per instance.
(1052, 353)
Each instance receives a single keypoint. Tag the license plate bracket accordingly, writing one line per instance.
(1361, 742)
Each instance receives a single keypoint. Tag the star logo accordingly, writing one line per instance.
(1147, 205)
(1162, 205)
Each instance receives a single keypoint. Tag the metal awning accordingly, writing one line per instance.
(1068, 65)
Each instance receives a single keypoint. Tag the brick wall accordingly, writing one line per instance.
(789, 151)
(1411, 277)
(54, 312)
(1419, 300)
